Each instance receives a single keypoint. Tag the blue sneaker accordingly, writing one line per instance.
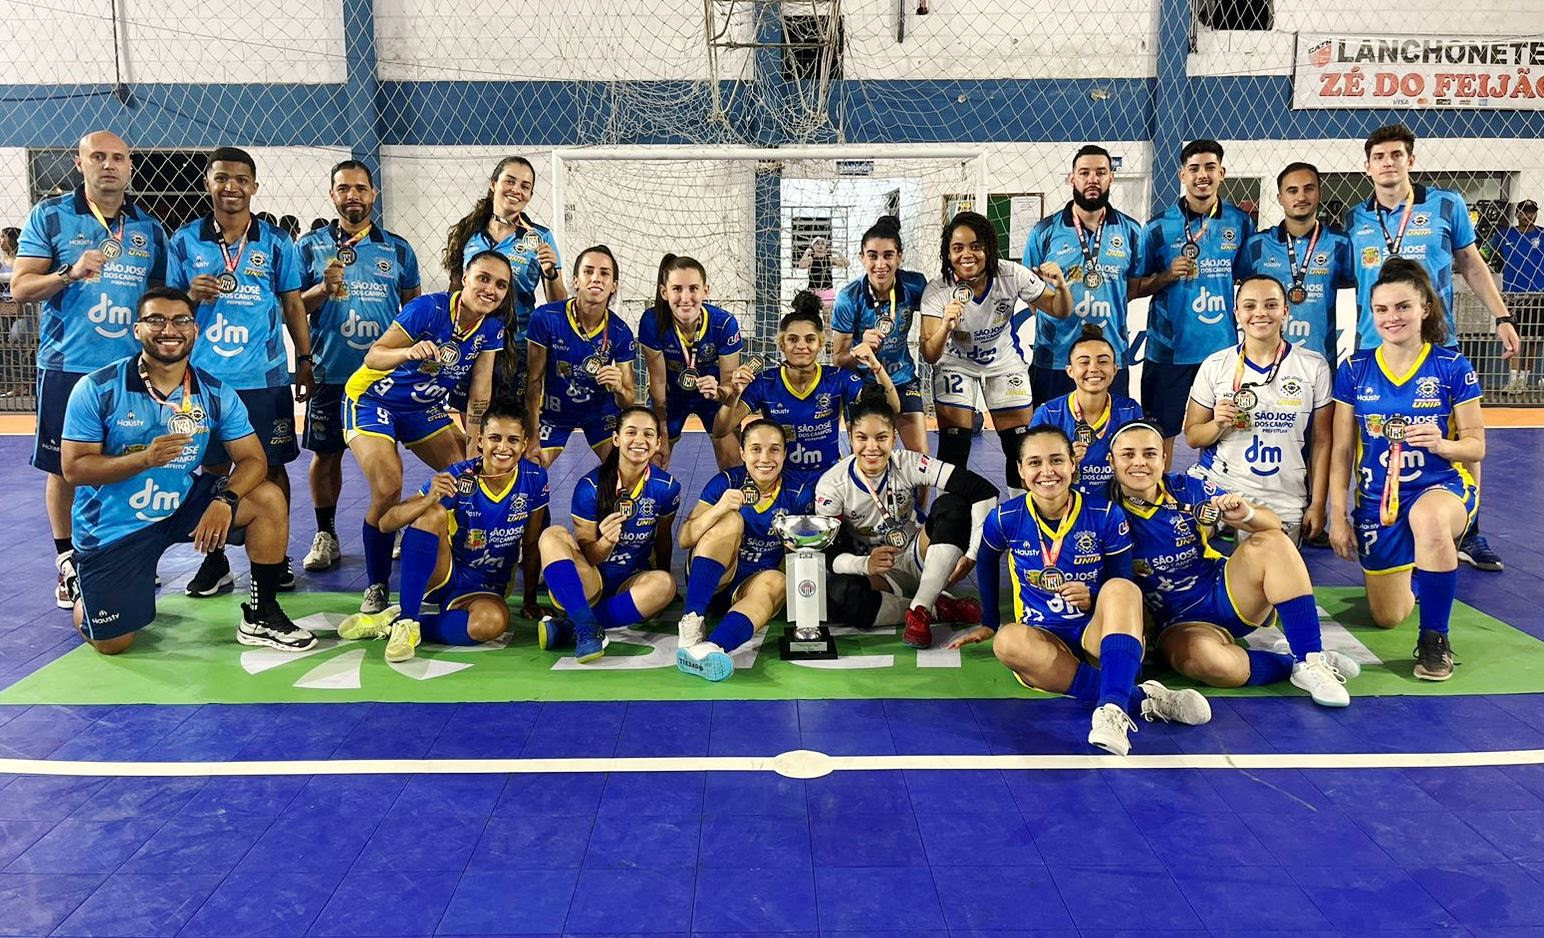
(1475, 551)
(589, 643)
(554, 633)
(705, 660)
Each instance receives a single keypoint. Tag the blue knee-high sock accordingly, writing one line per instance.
(568, 591)
(1437, 588)
(1300, 624)
(1120, 661)
(1267, 667)
(701, 583)
(377, 547)
(446, 628)
(1085, 684)
(420, 550)
(734, 631)
(618, 611)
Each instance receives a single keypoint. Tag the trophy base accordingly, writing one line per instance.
(793, 648)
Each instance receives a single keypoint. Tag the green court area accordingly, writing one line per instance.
(190, 655)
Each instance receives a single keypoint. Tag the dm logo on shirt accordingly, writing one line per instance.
(1208, 303)
(110, 322)
(224, 332)
(152, 503)
(366, 330)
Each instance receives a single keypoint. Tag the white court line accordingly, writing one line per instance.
(799, 763)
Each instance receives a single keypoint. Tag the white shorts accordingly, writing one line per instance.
(966, 389)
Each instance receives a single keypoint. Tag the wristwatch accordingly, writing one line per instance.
(230, 498)
(303, 358)
(553, 276)
(1502, 319)
(64, 274)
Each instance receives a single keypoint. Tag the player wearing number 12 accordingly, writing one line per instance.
(1407, 421)
(356, 277)
(85, 256)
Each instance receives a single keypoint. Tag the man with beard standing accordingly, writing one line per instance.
(355, 276)
(1100, 249)
(134, 432)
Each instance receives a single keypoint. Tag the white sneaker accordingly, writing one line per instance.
(377, 598)
(363, 626)
(692, 630)
(1349, 667)
(705, 660)
(1321, 680)
(403, 643)
(1186, 706)
(324, 552)
(1109, 729)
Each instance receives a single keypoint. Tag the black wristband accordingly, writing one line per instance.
(303, 358)
(552, 276)
(1502, 319)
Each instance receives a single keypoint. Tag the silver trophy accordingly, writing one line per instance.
(807, 536)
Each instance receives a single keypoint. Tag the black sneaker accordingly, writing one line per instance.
(273, 628)
(213, 576)
(287, 580)
(1433, 657)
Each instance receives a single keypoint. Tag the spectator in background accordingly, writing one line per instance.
(291, 226)
(819, 260)
(11, 360)
(319, 223)
(269, 218)
(1522, 284)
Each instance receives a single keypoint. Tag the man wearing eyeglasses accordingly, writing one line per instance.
(135, 432)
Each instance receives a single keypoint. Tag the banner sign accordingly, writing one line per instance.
(1388, 71)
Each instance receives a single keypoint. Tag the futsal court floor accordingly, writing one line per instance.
(198, 788)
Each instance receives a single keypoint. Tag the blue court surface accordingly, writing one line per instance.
(1400, 814)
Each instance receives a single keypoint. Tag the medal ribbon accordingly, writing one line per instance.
(357, 237)
(225, 252)
(1394, 243)
(1238, 368)
(1205, 221)
(1091, 257)
(874, 492)
(165, 400)
(689, 348)
(1300, 274)
(1388, 503)
(642, 481)
(1103, 420)
(604, 348)
(1050, 552)
(115, 235)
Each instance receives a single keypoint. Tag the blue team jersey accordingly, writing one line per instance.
(1439, 228)
(760, 548)
(89, 324)
(1522, 259)
(415, 385)
(486, 526)
(520, 248)
(1441, 379)
(1192, 318)
(1173, 562)
(342, 330)
(857, 309)
(1095, 471)
(811, 421)
(241, 334)
(1331, 267)
(717, 334)
(112, 406)
(1055, 238)
(570, 395)
(1095, 546)
(656, 498)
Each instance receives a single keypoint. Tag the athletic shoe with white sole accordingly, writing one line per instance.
(1433, 657)
(692, 630)
(403, 641)
(364, 626)
(1186, 706)
(377, 598)
(68, 589)
(324, 552)
(213, 577)
(1108, 729)
(705, 660)
(1316, 675)
(271, 627)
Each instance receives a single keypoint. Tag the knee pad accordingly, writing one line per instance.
(954, 445)
(851, 600)
(1011, 439)
(948, 521)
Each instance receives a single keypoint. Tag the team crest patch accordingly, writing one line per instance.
(646, 508)
(1429, 386)
(1421, 219)
(1374, 424)
(1321, 259)
(383, 265)
(1371, 257)
(1087, 542)
(1116, 241)
(1291, 387)
(1141, 567)
(1229, 235)
(257, 259)
(139, 241)
(476, 539)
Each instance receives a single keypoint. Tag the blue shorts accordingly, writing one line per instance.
(117, 581)
(459, 582)
(324, 419)
(53, 394)
(1166, 394)
(371, 416)
(1392, 549)
(677, 409)
(597, 430)
(1215, 607)
(272, 413)
(724, 597)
